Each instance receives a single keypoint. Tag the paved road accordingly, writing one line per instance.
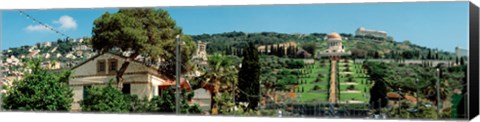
(333, 84)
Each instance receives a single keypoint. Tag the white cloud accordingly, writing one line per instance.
(36, 28)
(66, 22)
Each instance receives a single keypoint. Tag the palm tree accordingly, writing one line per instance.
(431, 92)
(219, 76)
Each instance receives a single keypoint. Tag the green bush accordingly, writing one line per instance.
(39, 90)
(105, 99)
(316, 87)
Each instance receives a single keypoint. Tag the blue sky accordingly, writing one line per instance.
(441, 25)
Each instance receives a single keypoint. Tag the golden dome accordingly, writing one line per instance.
(334, 35)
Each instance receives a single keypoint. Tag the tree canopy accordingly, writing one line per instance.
(142, 31)
(39, 90)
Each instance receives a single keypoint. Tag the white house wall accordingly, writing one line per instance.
(141, 90)
(137, 75)
(90, 68)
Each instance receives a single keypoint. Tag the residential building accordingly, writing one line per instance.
(33, 53)
(139, 79)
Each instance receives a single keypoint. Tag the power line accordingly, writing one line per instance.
(42, 23)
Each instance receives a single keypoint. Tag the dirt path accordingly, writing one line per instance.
(333, 84)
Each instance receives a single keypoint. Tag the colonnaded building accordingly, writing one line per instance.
(375, 33)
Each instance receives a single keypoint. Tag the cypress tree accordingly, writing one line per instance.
(456, 60)
(248, 77)
(429, 55)
(462, 61)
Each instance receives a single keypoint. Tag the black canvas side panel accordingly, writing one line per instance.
(473, 74)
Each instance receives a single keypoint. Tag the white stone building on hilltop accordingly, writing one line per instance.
(375, 33)
(47, 44)
(461, 52)
(139, 79)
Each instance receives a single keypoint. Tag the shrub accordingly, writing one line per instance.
(316, 87)
(104, 99)
(351, 87)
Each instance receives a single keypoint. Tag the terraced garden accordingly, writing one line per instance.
(308, 82)
(315, 82)
(354, 83)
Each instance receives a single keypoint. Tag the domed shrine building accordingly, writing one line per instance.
(335, 48)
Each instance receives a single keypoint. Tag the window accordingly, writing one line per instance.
(101, 66)
(85, 91)
(126, 89)
(112, 66)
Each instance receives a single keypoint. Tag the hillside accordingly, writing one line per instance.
(361, 47)
(67, 53)
(58, 54)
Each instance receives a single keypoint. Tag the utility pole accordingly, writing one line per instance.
(177, 83)
(416, 81)
(438, 92)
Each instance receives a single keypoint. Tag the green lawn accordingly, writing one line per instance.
(355, 96)
(357, 78)
(313, 96)
(360, 88)
(308, 96)
(308, 87)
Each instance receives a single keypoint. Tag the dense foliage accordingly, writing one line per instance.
(39, 90)
(416, 80)
(165, 103)
(104, 99)
(109, 99)
(221, 72)
(142, 31)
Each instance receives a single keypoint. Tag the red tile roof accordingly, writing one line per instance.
(395, 96)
